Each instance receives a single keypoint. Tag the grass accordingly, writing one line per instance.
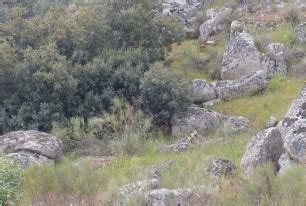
(185, 59)
(274, 101)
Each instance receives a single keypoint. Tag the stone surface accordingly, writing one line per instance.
(295, 141)
(264, 147)
(297, 111)
(203, 121)
(231, 89)
(210, 104)
(221, 167)
(285, 163)
(300, 31)
(202, 91)
(177, 197)
(214, 23)
(277, 63)
(241, 57)
(184, 9)
(31, 147)
(272, 122)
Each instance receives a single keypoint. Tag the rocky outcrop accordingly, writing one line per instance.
(202, 91)
(285, 163)
(284, 145)
(300, 31)
(221, 167)
(203, 121)
(182, 196)
(241, 57)
(296, 112)
(248, 85)
(30, 147)
(215, 22)
(265, 147)
(184, 9)
(272, 122)
(277, 63)
(295, 141)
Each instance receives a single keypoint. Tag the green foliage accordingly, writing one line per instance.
(70, 62)
(127, 128)
(164, 93)
(123, 130)
(11, 181)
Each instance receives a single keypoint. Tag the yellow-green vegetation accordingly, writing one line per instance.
(274, 101)
(193, 62)
(184, 59)
(281, 33)
(68, 179)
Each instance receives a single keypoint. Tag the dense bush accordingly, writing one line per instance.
(11, 181)
(123, 130)
(71, 62)
(164, 93)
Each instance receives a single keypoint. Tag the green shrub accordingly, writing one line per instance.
(126, 127)
(11, 180)
(123, 130)
(164, 94)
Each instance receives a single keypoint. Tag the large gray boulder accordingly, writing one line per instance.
(300, 31)
(285, 163)
(185, 10)
(295, 141)
(221, 167)
(182, 196)
(277, 64)
(264, 147)
(203, 121)
(202, 91)
(241, 57)
(30, 147)
(296, 112)
(249, 85)
(215, 22)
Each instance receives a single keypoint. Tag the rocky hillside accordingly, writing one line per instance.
(178, 102)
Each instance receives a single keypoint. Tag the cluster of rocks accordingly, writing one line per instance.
(300, 31)
(181, 196)
(184, 9)
(282, 145)
(204, 120)
(242, 57)
(244, 70)
(29, 147)
(215, 23)
(151, 193)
